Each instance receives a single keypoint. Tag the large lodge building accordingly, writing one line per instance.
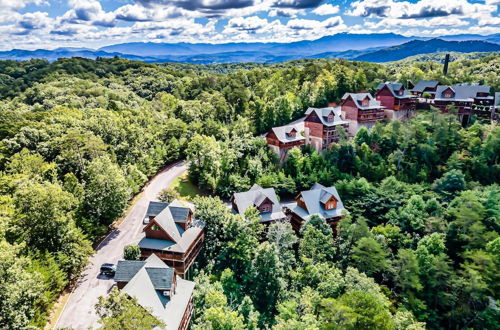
(321, 127)
(361, 109)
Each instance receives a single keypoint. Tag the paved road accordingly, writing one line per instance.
(79, 311)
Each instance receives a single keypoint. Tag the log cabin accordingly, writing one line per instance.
(361, 109)
(321, 127)
(319, 200)
(264, 200)
(398, 102)
(157, 289)
(467, 98)
(283, 138)
(174, 236)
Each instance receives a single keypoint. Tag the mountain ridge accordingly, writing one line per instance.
(395, 47)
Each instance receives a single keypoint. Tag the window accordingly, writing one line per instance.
(330, 206)
(155, 227)
(264, 209)
(447, 95)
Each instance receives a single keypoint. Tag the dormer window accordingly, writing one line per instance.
(400, 92)
(448, 95)
(331, 117)
(155, 227)
(365, 102)
(292, 133)
(264, 209)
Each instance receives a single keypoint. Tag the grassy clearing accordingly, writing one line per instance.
(185, 188)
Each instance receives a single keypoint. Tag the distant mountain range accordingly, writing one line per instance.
(417, 47)
(383, 47)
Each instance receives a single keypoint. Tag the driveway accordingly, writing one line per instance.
(79, 310)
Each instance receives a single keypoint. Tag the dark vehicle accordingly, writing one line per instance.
(108, 269)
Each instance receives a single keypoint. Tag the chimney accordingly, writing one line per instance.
(446, 61)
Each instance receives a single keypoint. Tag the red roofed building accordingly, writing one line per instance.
(361, 109)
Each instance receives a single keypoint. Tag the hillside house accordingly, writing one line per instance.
(174, 236)
(425, 86)
(319, 200)
(467, 98)
(282, 139)
(321, 126)
(399, 103)
(361, 109)
(265, 200)
(157, 288)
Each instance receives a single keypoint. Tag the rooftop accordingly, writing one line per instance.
(282, 132)
(169, 220)
(463, 92)
(395, 86)
(358, 99)
(323, 114)
(254, 197)
(313, 199)
(154, 208)
(147, 286)
(423, 84)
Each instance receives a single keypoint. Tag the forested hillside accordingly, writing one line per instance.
(78, 138)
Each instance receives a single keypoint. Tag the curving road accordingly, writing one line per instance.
(79, 310)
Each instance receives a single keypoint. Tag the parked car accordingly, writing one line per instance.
(108, 269)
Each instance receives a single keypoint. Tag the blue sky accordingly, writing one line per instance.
(32, 24)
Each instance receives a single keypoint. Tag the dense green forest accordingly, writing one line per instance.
(79, 137)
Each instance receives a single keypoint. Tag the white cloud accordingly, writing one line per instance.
(248, 24)
(420, 9)
(285, 12)
(89, 12)
(138, 13)
(412, 22)
(326, 9)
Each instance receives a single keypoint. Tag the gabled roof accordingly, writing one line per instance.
(168, 220)
(126, 269)
(358, 99)
(167, 223)
(463, 92)
(423, 84)
(160, 277)
(393, 87)
(325, 196)
(154, 208)
(314, 198)
(147, 287)
(323, 113)
(254, 197)
(282, 132)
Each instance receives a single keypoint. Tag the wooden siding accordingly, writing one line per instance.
(350, 109)
(180, 261)
(186, 318)
(158, 234)
(315, 129)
